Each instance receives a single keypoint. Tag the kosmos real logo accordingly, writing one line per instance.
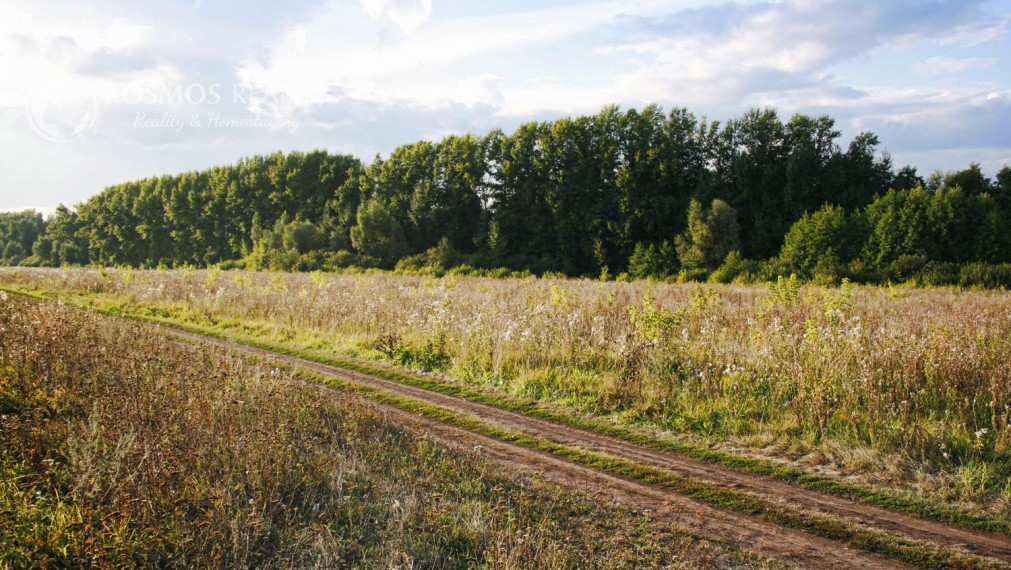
(60, 115)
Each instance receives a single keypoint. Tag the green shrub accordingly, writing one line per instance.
(985, 275)
(735, 269)
(433, 356)
(937, 274)
(651, 261)
(905, 267)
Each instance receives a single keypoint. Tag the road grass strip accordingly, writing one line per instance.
(539, 410)
(892, 546)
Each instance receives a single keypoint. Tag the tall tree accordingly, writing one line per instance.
(711, 234)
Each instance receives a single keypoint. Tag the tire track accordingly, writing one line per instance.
(789, 545)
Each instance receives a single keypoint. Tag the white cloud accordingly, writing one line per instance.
(332, 57)
(979, 32)
(41, 56)
(738, 55)
(122, 35)
(926, 107)
(951, 65)
(405, 14)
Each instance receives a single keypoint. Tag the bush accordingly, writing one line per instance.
(938, 273)
(986, 275)
(697, 274)
(231, 264)
(302, 237)
(770, 269)
(433, 356)
(829, 271)
(905, 267)
(443, 255)
(411, 264)
(651, 261)
(735, 269)
(334, 260)
(819, 245)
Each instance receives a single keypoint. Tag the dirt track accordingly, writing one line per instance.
(791, 546)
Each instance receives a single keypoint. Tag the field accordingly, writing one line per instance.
(126, 449)
(896, 396)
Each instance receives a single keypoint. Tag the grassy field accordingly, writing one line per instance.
(122, 448)
(902, 389)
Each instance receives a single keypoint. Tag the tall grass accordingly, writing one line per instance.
(900, 383)
(123, 449)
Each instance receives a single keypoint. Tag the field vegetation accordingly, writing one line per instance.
(907, 390)
(123, 448)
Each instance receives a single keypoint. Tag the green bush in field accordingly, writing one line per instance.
(650, 261)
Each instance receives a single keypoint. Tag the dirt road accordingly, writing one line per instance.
(753, 534)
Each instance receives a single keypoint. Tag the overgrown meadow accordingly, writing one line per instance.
(901, 387)
(123, 448)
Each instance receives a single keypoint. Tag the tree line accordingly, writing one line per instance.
(643, 193)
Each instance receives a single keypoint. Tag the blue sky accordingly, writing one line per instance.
(95, 93)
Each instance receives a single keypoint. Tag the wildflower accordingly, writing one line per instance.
(981, 433)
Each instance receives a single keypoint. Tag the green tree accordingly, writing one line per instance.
(519, 197)
(378, 234)
(971, 180)
(19, 232)
(711, 235)
(302, 237)
(651, 261)
(1002, 189)
(13, 253)
(827, 237)
(663, 162)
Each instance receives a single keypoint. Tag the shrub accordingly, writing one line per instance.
(985, 275)
(651, 261)
(735, 269)
(905, 267)
(820, 244)
(938, 273)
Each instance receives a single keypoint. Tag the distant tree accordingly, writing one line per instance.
(906, 178)
(651, 261)
(13, 253)
(1002, 189)
(710, 236)
(866, 173)
(18, 234)
(759, 150)
(42, 252)
(827, 237)
(582, 195)
(69, 239)
(813, 172)
(378, 234)
(302, 237)
(285, 247)
(947, 225)
(971, 180)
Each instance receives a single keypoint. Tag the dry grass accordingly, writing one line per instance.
(123, 449)
(909, 388)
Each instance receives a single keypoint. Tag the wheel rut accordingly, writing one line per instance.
(753, 534)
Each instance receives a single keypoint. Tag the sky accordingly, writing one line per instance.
(97, 92)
